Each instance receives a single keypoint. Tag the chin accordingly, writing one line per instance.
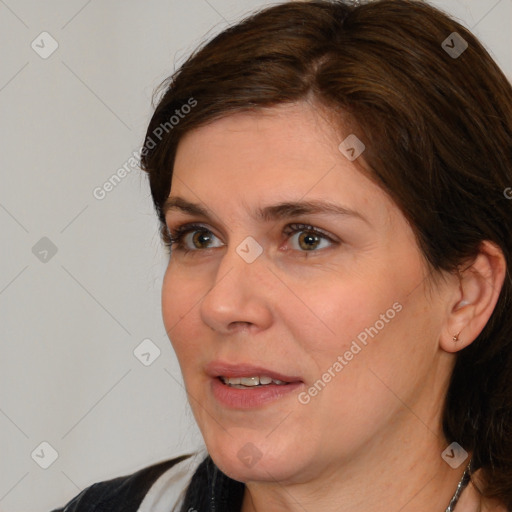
(256, 458)
(268, 470)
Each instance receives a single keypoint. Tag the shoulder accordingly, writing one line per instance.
(154, 488)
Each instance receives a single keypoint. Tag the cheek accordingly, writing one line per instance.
(180, 302)
(182, 289)
(335, 312)
(368, 318)
(385, 343)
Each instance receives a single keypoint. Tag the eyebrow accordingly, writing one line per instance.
(278, 211)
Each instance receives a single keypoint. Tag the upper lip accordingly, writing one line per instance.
(222, 369)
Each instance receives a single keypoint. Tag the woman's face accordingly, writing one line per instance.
(342, 314)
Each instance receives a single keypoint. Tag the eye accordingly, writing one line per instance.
(190, 237)
(308, 237)
(195, 237)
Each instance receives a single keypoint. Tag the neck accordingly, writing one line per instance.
(408, 475)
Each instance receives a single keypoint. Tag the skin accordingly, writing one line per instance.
(371, 440)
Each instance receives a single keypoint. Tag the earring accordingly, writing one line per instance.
(456, 337)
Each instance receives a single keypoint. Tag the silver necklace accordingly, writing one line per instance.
(463, 482)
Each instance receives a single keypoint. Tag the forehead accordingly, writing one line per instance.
(291, 132)
(267, 156)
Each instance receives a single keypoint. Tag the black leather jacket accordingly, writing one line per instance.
(207, 490)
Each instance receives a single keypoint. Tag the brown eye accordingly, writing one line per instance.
(200, 238)
(308, 238)
(191, 238)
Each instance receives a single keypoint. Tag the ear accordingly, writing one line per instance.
(475, 298)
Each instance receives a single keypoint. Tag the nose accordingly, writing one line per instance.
(241, 295)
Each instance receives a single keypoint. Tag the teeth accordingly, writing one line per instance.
(250, 381)
(244, 382)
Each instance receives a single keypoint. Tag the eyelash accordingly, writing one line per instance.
(175, 236)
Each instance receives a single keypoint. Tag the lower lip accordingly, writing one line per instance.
(252, 397)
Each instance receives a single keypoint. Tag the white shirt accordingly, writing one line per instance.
(168, 492)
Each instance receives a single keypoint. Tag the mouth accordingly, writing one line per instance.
(245, 386)
(248, 375)
(251, 382)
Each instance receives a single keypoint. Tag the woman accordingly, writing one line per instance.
(333, 183)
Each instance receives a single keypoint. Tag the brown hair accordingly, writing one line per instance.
(438, 134)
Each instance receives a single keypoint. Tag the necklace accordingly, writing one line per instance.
(463, 482)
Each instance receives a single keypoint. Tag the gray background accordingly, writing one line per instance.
(70, 321)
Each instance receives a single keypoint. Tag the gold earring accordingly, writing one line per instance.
(456, 337)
